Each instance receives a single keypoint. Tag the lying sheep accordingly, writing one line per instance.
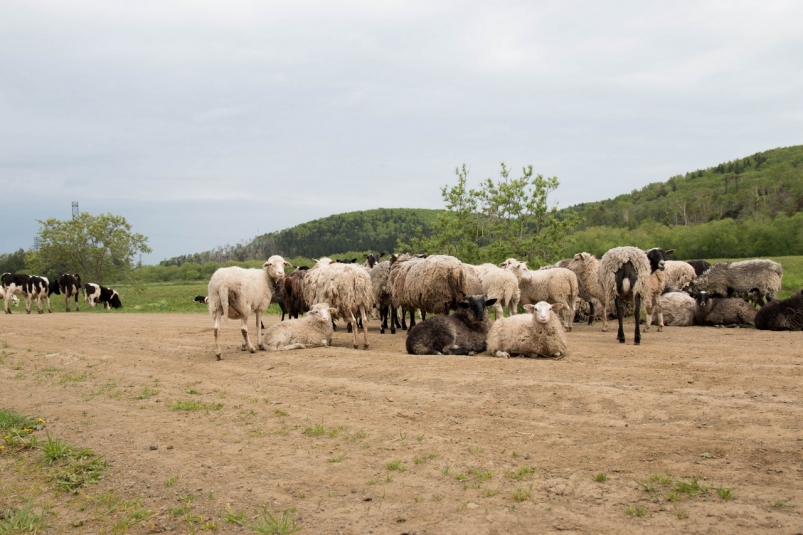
(539, 334)
(723, 311)
(678, 274)
(785, 315)
(236, 293)
(679, 309)
(346, 287)
(313, 330)
(461, 333)
(750, 279)
(556, 285)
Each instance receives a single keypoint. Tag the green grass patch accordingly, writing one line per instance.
(193, 405)
(25, 519)
(396, 465)
(267, 524)
(600, 478)
(522, 473)
(635, 510)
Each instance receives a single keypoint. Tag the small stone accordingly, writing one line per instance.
(170, 447)
(472, 506)
(154, 446)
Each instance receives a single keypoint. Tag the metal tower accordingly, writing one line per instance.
(75, 209)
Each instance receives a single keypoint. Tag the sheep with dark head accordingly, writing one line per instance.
(729, 311)
(784, 315)
(624, 275)
(461, 333)
(753, 280)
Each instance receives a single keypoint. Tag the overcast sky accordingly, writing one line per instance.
(205, 123)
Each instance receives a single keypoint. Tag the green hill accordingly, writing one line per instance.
(368, 230)
(762, 185)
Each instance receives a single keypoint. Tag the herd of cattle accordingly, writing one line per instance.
(33, 287)
(621, 282)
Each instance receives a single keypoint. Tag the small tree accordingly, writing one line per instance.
(99, 248)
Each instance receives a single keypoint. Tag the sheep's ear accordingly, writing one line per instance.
(332, 311)
(314, 260)
(529, 308)
(288, 264)
(462, 304)
(490, 302)
(382, 254)
(578, 256)
(670, 251)
(365, 256)
(556, 307)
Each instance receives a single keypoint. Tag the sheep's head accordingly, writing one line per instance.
(477, 304)
(518, 268)
(542, 311)
(703, 298)
(321, 312)
(322, 262)
(275, 267)
(657, 258)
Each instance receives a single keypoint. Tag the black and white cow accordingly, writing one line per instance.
(14, 299)
(95, 293)
(37, 288)
(14, 284)
(69, 286)
(201, 299)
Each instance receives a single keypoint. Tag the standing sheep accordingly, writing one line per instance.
(502, 285)
(380, 286)
(624, 274)
(785, 315)
(585, 266)
(657, 258)
(292, 290)
(538, 334)
(313, 330)
(556, 285)
(400, 266)
(749, 279)
(435, 285)
(678, 274)
(462, 333)
(346, 287)
(236, 293)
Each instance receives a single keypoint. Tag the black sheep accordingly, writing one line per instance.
(461, 333)
(783, 315)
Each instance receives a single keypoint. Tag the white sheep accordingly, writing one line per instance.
(653, 304)
(586, 266)
(678, 274)
(679, 309)
(539, 334)
(312, 330)
(346, 287)
(556, 285)
(502, 285)
(235, 293)
(624, 274)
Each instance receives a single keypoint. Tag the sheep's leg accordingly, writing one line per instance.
(513, 307)
(619, 315)
(591, 312)
(636, 314)
(660, 310)
(353, 326)
(217, 336)
(568, 316)
(648, 320)
(260, 343)
(404, 325)
(394, 319)
(412, 318)
(605, 305)
(28, 303)
(499, 312)
(364, 328)
(246, 340)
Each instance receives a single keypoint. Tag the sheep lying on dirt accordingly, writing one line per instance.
(749, 279)
(556, 285)
(313, 330)
(461, 333)
(539, 334)
(679, 309)
(785, 315)
(346, 287)
(235, 293)
(723, 311)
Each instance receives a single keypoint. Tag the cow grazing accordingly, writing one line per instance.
(69, 286)
(95, 293)
(201, 299)
(14, 283)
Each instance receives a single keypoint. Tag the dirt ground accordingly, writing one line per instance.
(472, 434)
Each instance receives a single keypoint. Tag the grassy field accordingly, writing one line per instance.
(177, 296)
(792, 272)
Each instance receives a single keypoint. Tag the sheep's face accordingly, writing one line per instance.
(275, 267)
(322, 262)
(478, 305)
(542, 311)
(320, 312)
(703, 298)
(657, 258)
(518, 268)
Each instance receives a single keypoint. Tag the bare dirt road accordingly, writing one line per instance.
(382, 442)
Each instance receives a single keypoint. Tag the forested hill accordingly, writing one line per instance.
(765, 184)
(369, 230)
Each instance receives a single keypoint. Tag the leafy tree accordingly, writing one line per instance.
(99, 248)
(12, 262)
(503, 218)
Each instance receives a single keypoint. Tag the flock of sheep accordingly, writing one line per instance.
(582, 287)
